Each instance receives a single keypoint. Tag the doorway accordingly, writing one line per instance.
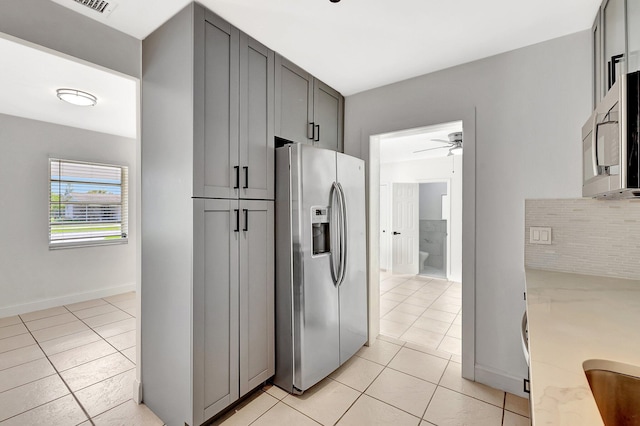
(420, 211)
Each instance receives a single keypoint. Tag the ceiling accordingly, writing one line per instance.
(401, 146)
(28, 84)
(357, 45)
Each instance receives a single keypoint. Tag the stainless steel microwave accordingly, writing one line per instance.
(611, 165)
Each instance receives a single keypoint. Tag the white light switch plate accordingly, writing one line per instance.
(540, 235)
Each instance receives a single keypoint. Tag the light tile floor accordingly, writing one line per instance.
(71, 365)
(422, 310)
(390, 383)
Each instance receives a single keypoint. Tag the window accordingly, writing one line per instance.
(87, 204)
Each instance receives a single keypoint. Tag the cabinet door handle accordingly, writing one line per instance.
(246, 177)
(237, 220)
(246, 219)
(311, 131)
(237, 169)
(317, 134)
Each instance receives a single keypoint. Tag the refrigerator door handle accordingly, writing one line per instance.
(334, 234)
(343, 234)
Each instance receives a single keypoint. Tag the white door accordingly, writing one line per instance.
(405, 228)
(385, 231)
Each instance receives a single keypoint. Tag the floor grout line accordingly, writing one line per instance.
(63, 381)
(57, 372)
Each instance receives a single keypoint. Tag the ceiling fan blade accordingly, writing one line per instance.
(430, 149)
(441, 140)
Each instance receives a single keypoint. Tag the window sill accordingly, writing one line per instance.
(79, 244)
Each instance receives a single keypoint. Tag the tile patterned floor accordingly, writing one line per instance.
(422, 310)
(75, 365)
(71, 365)
(390, 383)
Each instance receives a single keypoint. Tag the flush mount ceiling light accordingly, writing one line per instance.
(334, 1)
(76, 97)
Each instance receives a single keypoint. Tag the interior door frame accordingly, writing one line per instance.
(370, 151)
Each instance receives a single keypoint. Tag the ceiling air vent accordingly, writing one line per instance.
(97, 5)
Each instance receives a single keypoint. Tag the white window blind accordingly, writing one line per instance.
(87, 203)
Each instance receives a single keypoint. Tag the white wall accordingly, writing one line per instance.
(429, 169)
(34, 277)
(530, 105)
(431, 200)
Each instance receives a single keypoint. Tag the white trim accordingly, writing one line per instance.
(370, 152)
(65, 300)
(137, 391)
(500, 380)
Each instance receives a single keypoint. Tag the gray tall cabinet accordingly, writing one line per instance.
(207, 214)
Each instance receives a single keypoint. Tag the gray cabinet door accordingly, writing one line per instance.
(216, 152)
(256, 119)
(215, 301)
(327, 116)
(294, 105)
(257, 357)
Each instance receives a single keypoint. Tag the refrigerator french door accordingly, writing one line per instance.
(321, 291)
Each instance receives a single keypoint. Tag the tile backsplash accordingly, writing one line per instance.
(589, 236)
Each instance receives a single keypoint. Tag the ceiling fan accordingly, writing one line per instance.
(454, 143)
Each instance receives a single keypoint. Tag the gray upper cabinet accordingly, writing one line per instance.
(633, 35)
(294, 102)
(328, 116)
(307, 110)
(235, 155)
(616, 43)
(256, 120)
(216, 153)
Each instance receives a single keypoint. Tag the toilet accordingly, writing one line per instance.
(423, 257)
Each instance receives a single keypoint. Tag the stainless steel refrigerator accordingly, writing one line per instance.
(321, 285)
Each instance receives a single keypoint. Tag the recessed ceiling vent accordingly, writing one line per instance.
(101, 6)
(91, 8)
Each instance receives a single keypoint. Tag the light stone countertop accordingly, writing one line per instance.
(573, 318)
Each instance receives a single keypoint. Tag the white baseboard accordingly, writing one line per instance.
(137, 391)
(64, 300)
(500, 380)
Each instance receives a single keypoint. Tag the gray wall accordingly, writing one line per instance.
(530, 105)
(431, 200)
(48, 24)
(34, 277)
